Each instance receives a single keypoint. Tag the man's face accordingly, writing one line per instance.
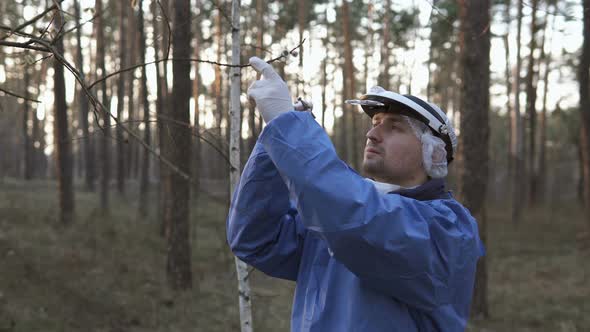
(393, 153)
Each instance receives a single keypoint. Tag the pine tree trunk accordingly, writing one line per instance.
(177, 149)
(475, 61)
(584, 79)
(546, 59)
(156, 15)
(28, 165)
(38, 134)
(132, 146)
(517, 129)
(349, 90)
(383, 78)
(61, 135)
(121, 98)
(509, 110)
(105, 156)
(196, 113)
(531, 98)
(145, 161)
(163, 171)
(87, 146)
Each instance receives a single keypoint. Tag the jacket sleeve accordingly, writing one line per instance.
(262, 226)
(406, 248)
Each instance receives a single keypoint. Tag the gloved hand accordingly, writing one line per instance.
(270, 93)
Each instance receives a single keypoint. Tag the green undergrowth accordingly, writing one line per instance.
(107, 273)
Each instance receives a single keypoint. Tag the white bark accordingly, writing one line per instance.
(234, 157)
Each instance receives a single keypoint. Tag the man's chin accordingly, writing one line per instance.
(371, 167)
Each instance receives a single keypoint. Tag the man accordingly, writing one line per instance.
(395, 253)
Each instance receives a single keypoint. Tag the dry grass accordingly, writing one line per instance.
(107, 273)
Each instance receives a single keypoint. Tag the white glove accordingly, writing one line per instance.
(270, 93)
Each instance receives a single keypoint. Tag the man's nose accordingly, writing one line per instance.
(373, 135)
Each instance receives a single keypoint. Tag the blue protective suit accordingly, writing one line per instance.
(362, 260)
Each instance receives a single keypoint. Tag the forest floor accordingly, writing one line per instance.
(108, 273)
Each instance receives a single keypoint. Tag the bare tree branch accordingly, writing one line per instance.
(47, 46)
(37, 60)
(24, 45)
(29, 22)
(169, 29)
(223, 13)
(191, 60)
(99, 106)
(18, 96)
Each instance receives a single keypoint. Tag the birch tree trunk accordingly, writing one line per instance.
(234, 157)
(217, 90)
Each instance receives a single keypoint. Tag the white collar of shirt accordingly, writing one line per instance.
(385, 188)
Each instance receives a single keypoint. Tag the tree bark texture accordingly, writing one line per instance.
(87, 144)
(145, 160)
(245, 299)
(62, 137)
(27, 146)
(121, 98)
(531, 99)
(475, 61)
(105, 153)
(177, 149)
(584, 79)
(517, 129)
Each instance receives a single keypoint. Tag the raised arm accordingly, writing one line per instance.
(262, 229)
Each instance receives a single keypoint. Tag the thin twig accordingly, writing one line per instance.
(166, 118)
(18, 96)
(29, 22)
(191, 60)
(98, 105)
(557, 12)
(47, 46)
(58, 35)
(17, 33)
(223, 13)
(47, 28)
(38, 60)
(81, 24)
(257, 47)
(169, 29)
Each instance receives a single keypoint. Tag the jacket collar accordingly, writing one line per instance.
(433, 189)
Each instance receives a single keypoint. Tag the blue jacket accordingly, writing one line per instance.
(362, 261)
